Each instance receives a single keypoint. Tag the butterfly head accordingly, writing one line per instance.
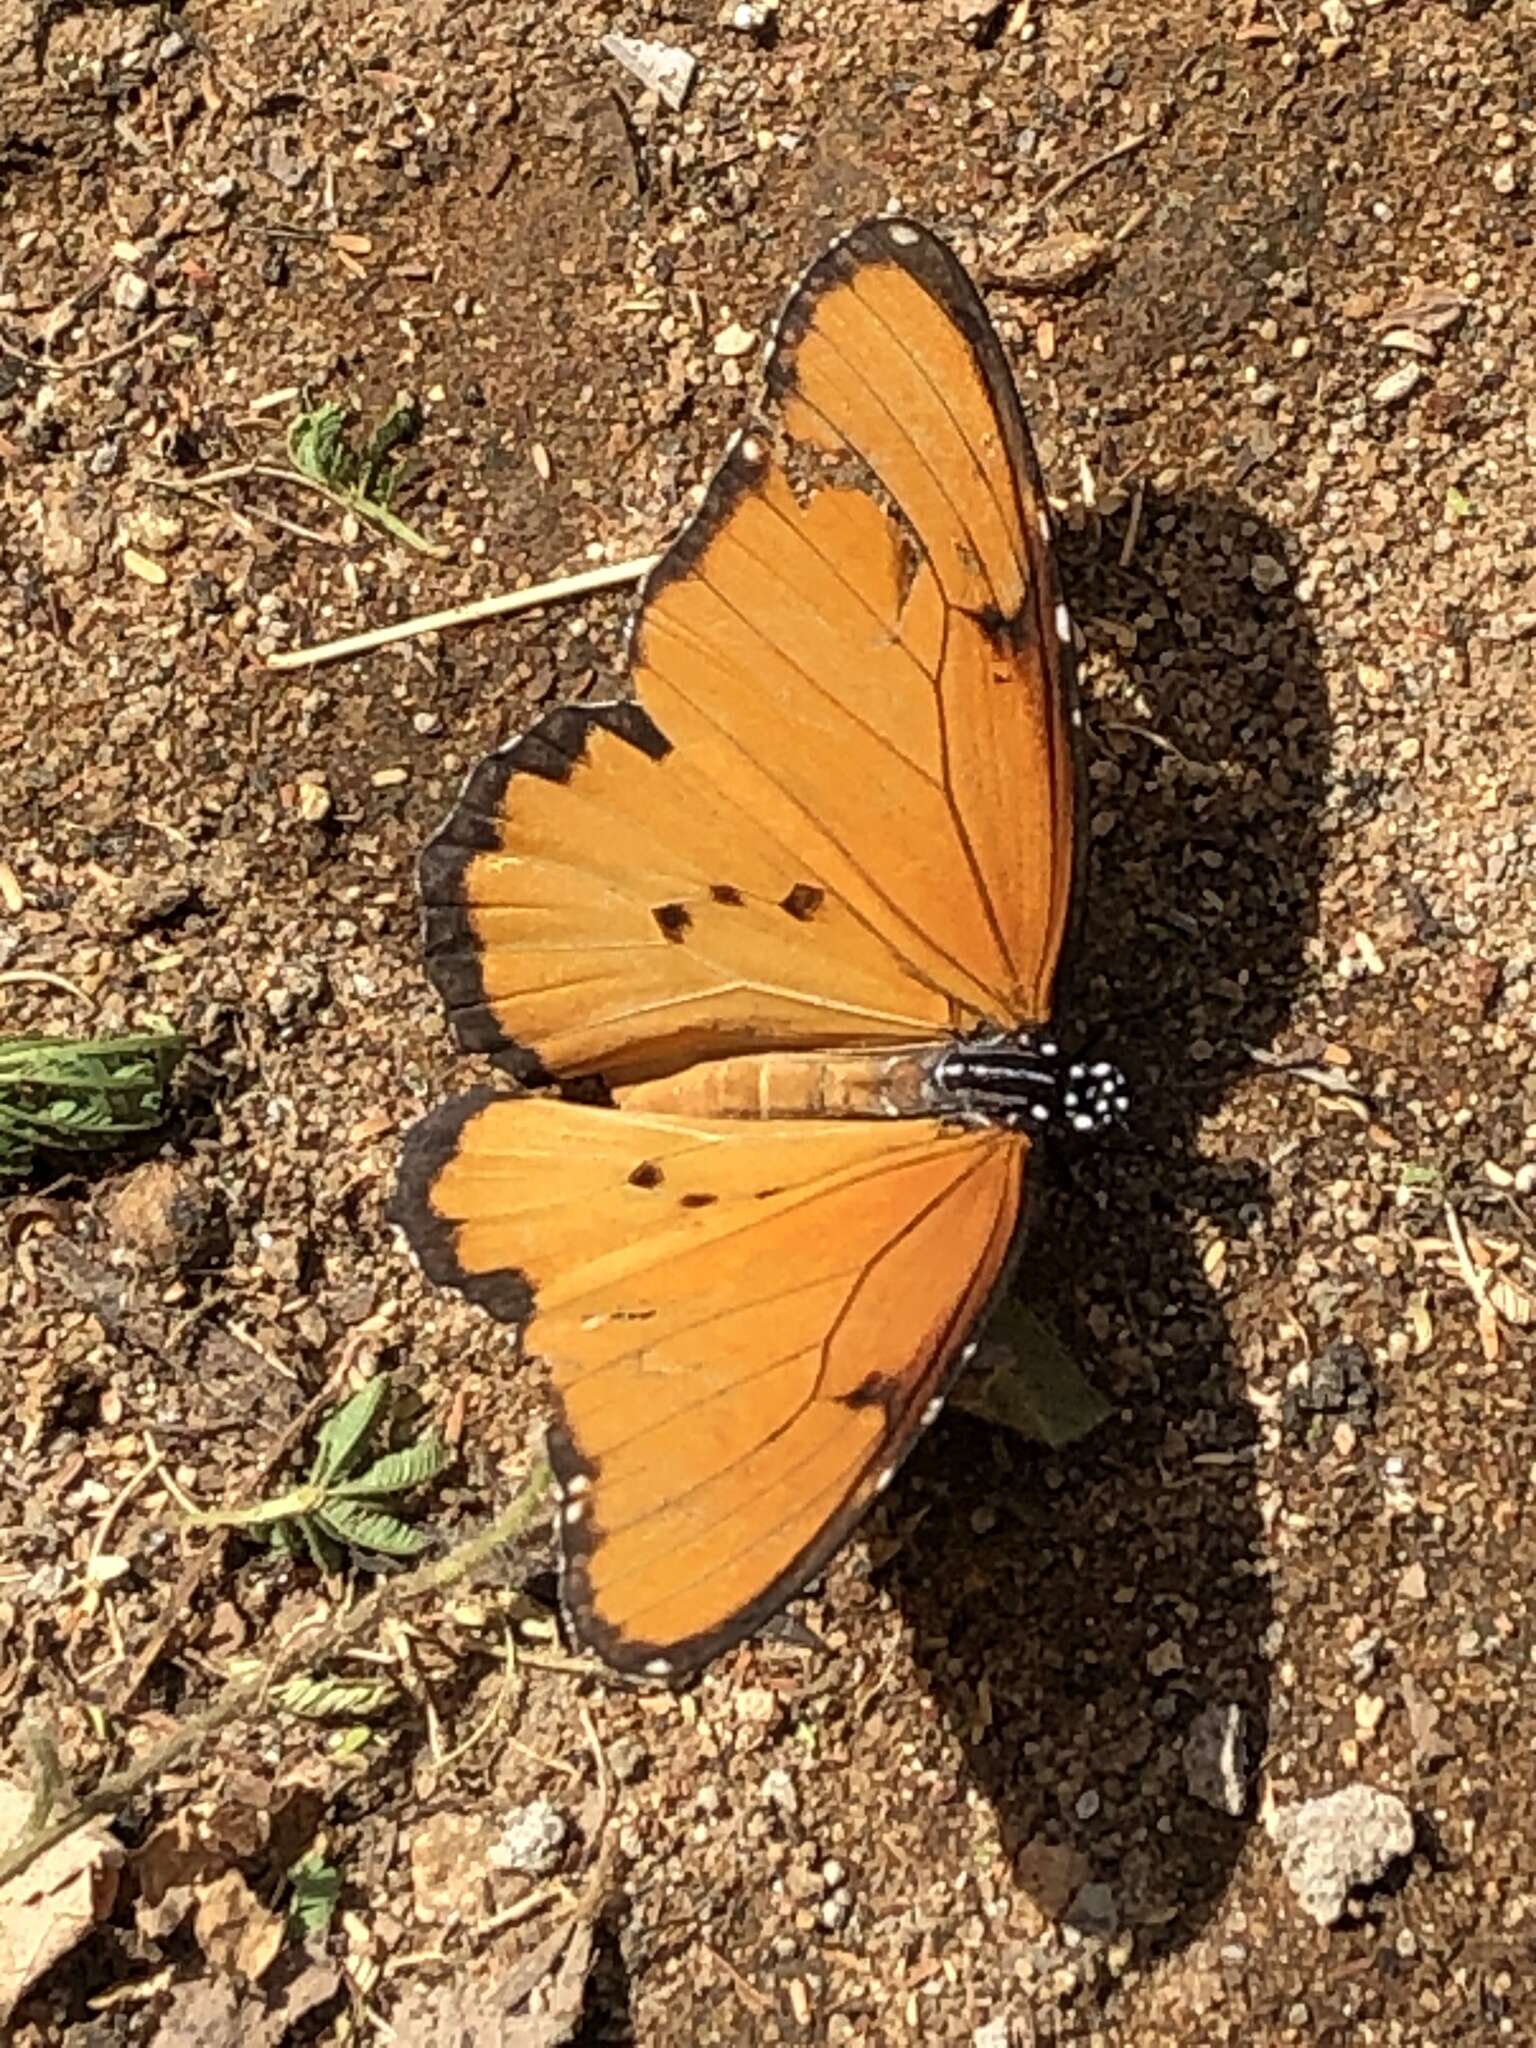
(1024, 1080)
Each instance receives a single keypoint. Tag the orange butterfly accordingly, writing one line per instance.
(800, 906)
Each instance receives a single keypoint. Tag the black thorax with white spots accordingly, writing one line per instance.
(1026, 1083)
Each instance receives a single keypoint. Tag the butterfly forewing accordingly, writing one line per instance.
(848, 818)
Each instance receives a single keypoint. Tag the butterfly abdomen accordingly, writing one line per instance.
(854, 1083)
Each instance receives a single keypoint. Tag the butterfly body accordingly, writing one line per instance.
(847, 1083)
(1014, 1079)
(798, 909)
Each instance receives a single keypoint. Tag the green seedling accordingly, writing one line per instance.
(340, 1508)
(366, 479)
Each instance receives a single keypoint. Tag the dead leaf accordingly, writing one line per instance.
(173, 1856)
(204, 2013)
(314, 1984)
(1428, 309)
(565, 1997)
(449, 1876)
(208, 2012)
(1025, 1380)
(52, 1903)
(158, 1922)
(235, 1931)
(444, 2015)
(1053, 264)
(1512, 1299)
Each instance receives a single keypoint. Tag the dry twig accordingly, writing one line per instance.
(538, 594)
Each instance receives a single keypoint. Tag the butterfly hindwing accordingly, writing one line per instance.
(841, 810)
(745, 1323)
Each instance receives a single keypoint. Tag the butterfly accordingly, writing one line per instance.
(792, 915)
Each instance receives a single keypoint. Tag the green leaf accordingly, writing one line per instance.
(316, 1889)
(399, 1472)
(371, 1529)
(343, 1438)
(330, 1699)
(70, 1094)
(399, 428)
(1026, 1380)
(317, 446)
(326, 1557)
(1413, 1175)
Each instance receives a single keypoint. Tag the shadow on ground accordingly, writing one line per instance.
(1073, 1613)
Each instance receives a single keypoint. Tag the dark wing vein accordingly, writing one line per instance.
(810, 1398)
(703, 710)
(986, 470)
(837, 1487)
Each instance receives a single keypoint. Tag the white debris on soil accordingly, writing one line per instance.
(1329, 1846)
(660, 68)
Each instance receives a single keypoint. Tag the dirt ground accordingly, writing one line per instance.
(1290, 420)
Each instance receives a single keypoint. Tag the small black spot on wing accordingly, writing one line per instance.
(803, 901)
(699, 1201)
(723, 892)
(873, 1391)
(673, 920)
(647, 1175)
(1011, 633)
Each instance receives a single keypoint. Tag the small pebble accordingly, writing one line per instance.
(532, 1839)
(313, 799)
(1215, 1758)
(756, 1704)
(1267, 574)
(131, 293)
(145, 567)
(164, 1215)
(1365, 1656)
(780, 1790)
(735, 340)
(1398, 385)
(1094, 1911)
(834, 1911)
(628, 1759)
